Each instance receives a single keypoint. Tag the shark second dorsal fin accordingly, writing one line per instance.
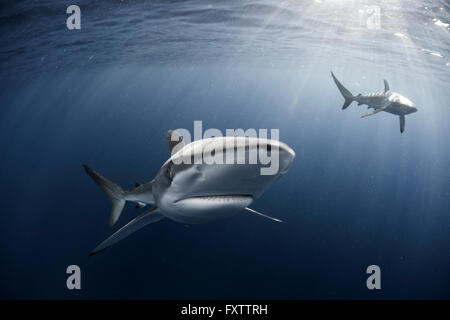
(174, 140)
(386, 85)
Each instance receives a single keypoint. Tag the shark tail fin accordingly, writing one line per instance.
(112, 191)
(348, 96)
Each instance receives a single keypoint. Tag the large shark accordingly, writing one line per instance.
(199, 191)
(388, 101)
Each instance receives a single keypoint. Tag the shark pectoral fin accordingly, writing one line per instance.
(374, 112)
(402, 123)
(262, 215)
(150, 216)
(386, 85)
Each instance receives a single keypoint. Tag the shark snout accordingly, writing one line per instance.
(413, 109)
(285, 156)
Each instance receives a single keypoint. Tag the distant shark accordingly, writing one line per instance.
(387, 100)
(198, 192)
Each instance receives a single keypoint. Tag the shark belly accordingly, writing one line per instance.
(208, 192)
(203, 209)
(393, 111)
(396, 109)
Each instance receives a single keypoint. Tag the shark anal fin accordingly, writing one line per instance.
(402, 123)
(150, 216)
(262, 215)
(386, 86)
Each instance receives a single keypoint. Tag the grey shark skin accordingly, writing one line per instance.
(388, 101)
(198, 192)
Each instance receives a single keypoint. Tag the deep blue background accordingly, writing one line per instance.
(358, 193)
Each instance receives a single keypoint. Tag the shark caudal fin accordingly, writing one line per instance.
(112, 191)
(348, 96)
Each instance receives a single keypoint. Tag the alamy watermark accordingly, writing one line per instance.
(374, 280)
(74, 20)
(74, 279)
(238, 146)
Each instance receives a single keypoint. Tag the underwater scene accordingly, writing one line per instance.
(352, 97)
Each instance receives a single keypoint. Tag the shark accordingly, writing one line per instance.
(194, 192)
(387, 101)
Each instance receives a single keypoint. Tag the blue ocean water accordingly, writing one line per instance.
(358, 193)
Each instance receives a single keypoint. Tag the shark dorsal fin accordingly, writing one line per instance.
(386, 85)
(174, 140)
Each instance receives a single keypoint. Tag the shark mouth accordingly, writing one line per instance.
(204, 208)
(220, 198)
